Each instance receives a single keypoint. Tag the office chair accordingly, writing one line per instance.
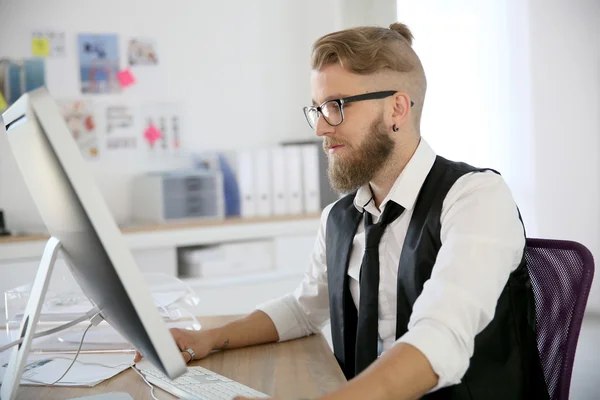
(561, 275)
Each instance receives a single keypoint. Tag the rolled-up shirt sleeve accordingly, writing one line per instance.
(306, 310)
(482, 243)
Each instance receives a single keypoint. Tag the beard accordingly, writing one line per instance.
(348, 172)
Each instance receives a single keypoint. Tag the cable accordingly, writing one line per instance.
(145, 380)
(90, 314)
(74, 358)
(94, 321)
(90, 363)
(76, 354)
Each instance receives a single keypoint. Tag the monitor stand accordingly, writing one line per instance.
(18, 357)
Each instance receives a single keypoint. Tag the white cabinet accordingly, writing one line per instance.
(160, 259)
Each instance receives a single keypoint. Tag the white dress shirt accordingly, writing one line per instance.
(482, 243)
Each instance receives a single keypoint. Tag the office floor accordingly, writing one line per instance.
(585, 383)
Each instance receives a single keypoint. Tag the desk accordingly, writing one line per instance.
(302, 368)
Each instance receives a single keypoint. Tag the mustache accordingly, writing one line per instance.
(327, 143)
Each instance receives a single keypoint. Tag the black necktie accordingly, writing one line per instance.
(368, 306)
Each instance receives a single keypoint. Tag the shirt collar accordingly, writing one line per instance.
(407, 186)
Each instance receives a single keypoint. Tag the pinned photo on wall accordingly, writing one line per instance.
(121, 129)
(48, 44)
(163, 128)
(142, 52)
(99, 63)
(79, 116)
(20, 76)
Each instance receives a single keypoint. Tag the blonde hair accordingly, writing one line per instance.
(369, 50)
(365, 50)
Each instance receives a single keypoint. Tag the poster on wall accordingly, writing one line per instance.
(48, 44)
(120, 129)
(79, 115)
(142, 52)
(162, 128)
(99, 63)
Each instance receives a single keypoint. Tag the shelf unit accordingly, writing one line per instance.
(155, 249)
(179, 234)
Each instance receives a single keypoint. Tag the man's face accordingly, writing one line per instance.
(359, 147)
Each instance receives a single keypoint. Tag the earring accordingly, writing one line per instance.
(394, 128)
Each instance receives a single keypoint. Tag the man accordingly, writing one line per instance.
(421, 267)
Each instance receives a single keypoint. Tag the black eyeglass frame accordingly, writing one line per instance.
(345, 100)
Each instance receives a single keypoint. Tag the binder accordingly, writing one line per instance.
(293, 184)
(231, 189)
(262, 177)
(246, 184)
(310, 173)
(278, 181)
(326, 193)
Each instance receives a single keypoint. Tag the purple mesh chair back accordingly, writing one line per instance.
(561, 275)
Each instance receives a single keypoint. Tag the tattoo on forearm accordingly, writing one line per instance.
(225, 344)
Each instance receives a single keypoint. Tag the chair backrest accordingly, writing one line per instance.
(561, 275)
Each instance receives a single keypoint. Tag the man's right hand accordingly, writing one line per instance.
(256, 328)
(202, 342)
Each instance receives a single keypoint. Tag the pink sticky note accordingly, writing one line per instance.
(125, 78)
(152, 134)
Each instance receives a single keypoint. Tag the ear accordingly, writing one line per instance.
(401, 107)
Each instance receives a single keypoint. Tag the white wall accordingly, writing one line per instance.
(516, 86)
(467, 114)
(565, 63)
(365, 12)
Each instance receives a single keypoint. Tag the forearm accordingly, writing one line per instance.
(401, 373)
(255, 328)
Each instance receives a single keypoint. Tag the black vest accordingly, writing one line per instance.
(505, 362)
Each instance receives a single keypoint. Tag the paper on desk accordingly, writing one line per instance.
(88, 371)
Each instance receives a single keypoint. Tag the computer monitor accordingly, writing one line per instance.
(76, 214)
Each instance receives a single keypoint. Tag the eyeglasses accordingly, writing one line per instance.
(333, 110)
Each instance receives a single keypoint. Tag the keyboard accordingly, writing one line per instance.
(199, 384)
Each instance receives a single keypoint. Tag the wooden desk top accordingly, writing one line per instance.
(171, 226)
(302, 368)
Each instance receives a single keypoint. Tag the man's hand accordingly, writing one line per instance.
(201, 342)
(256, 328)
